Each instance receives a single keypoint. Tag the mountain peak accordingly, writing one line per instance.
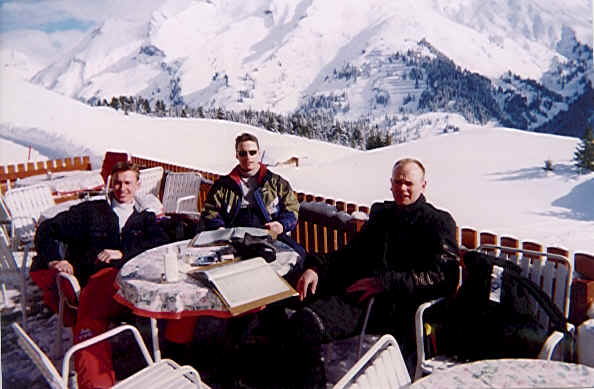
(276, 54)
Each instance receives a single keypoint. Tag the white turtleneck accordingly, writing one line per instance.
(249, 183)
(123, 211)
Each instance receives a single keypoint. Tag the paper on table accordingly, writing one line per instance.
(248, 284)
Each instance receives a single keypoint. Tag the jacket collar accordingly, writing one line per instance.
(110, 200)
(411, 207)
(235, 174)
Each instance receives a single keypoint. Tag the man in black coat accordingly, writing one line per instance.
(404, 255)
(99, 237)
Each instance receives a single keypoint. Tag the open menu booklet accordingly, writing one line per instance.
(225, 235)
(246, 285)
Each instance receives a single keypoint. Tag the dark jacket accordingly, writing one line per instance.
(411, 250)
(90, 227)
(275, 200)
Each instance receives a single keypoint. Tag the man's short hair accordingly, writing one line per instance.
(246, 136)
(124, 166)
(405, 161)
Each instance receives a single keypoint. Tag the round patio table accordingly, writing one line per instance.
(143, 290)
(510, 373)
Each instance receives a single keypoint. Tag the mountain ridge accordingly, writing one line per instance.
(278, 54)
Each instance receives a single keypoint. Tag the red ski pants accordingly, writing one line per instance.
(46, 281)
(96, 308)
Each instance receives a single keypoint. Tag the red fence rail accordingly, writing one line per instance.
(9, 173)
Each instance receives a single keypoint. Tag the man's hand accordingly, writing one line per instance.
(275, 228)
(61, 265)
(108, 255)
(369, 287)
(309, 279)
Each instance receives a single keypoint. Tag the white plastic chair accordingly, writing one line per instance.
(552, 272)
(8, 266)
(382, 366)
(150, 181)
(180, 194)
(24, 207)
(165, 373)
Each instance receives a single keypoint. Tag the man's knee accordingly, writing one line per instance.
(307, 328)
(46, 281)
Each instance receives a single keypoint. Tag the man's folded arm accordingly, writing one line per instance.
(424, 285)
(289, 207)
(211, 215)
(52, 233)
(437, 270)
(152, 236)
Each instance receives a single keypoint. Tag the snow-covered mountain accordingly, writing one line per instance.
(368, 57)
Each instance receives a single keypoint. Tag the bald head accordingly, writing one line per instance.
(408, 181)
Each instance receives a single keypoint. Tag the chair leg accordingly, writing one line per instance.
(4, 295)
(24, 285)
(362, 336)
(58, 347)
(155, 335)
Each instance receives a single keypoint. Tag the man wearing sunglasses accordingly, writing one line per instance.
(251, 195)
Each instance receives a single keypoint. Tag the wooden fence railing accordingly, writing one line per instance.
(321, 234)
(9, 173)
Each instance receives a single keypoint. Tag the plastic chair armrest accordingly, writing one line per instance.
(73, 283)
(189, 370)
(100, 338)
(420, 333)
(548, 348)
(181, 200)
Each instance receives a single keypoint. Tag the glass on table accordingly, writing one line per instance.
(171, 266)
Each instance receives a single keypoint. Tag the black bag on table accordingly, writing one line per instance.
(495, 313)
(255, 246)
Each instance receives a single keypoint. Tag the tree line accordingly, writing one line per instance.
(359, 134)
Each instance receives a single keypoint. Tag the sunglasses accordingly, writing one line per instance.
(243, 153)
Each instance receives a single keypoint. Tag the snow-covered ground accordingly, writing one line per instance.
(11, 153)
(490, 179)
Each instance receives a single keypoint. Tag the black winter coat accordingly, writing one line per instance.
(410, 249)
(90, 227)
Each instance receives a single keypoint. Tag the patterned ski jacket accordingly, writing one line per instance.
(274, 198)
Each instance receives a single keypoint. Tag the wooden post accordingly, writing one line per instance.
(469, 238)
(533, 246)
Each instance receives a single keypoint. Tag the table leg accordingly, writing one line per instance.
(155, 335)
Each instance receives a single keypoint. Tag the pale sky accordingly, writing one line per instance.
(44, 29)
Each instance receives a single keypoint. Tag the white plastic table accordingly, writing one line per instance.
(68, 182)
(509, 373)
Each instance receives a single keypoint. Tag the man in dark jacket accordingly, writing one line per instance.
(99, 236)
(404, 255)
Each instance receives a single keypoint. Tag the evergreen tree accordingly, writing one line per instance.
(115, 103)
(146, 107)
(584, 155)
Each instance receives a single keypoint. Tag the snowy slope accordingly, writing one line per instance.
(488, 178)
(11, 153)
(267, 54)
